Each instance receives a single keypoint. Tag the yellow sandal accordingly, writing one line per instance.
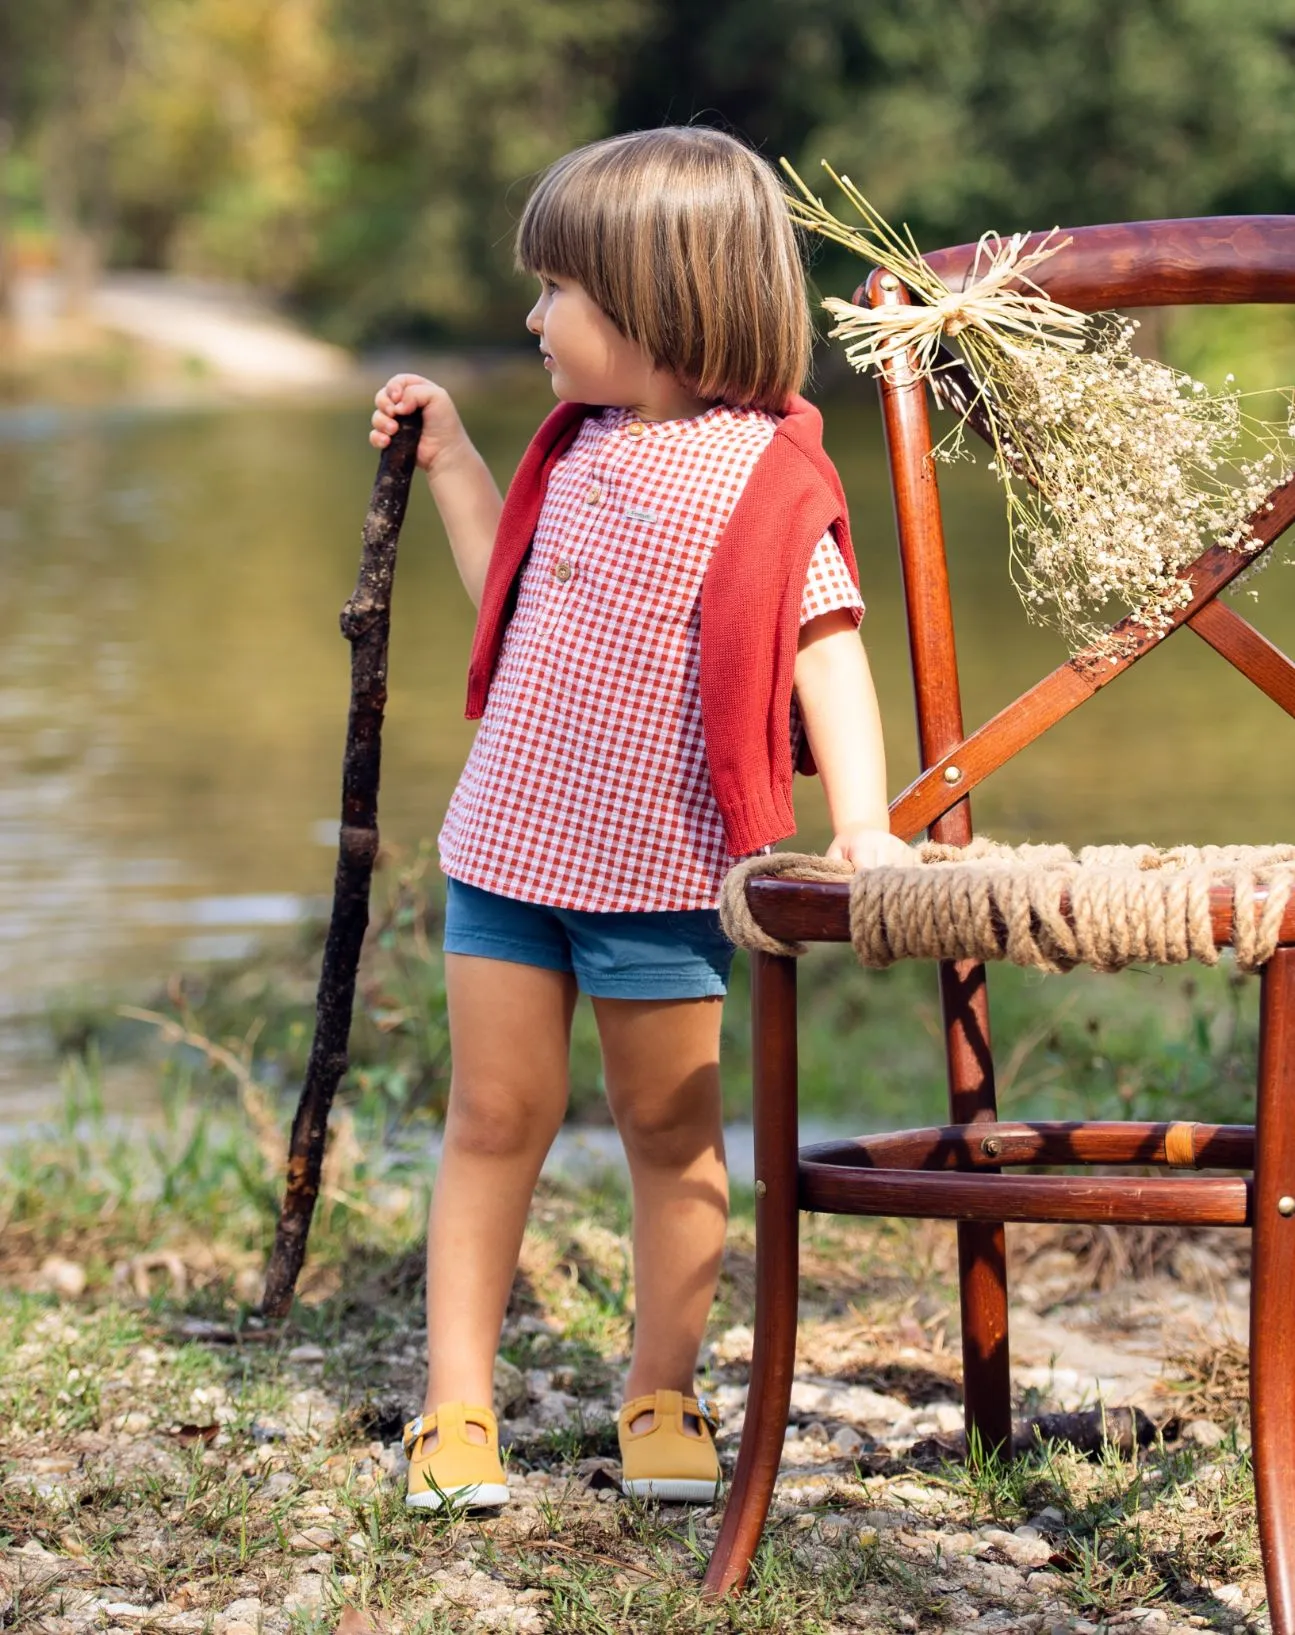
(457, 1471)
(669, 1460)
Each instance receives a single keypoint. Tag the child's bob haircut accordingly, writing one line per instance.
(682, 238)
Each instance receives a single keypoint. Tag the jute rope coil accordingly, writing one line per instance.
(1123, 905)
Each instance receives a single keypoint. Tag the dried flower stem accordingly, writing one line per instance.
(1116, 469)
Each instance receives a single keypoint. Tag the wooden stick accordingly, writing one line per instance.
(365, 622)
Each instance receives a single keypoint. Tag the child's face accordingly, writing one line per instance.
(587, 356)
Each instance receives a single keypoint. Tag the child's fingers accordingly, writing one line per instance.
(405, 393)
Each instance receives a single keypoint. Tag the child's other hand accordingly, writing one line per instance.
(869, 848)
(443, 431)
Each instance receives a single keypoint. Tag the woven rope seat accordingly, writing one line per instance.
(1040, 906)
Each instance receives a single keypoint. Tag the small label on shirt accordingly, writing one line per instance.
(637, 513)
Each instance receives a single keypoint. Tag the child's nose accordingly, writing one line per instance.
(534, 319)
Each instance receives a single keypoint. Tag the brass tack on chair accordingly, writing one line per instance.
(991, 1146)
(1286, 1205)
(760, 1189)
(953, 774)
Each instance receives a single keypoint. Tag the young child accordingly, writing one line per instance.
(667, 608)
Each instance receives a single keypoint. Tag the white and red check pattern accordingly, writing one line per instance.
(587, 786)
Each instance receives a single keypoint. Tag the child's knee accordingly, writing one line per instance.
(669, 1132)
(494, 1123)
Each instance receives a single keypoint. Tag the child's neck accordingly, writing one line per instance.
(665, 398)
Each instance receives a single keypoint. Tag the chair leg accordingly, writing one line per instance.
(986, 1363)
(777, 1272)
(982, 1246)
(1272, 1317)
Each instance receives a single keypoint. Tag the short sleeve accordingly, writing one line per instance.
(828, 585)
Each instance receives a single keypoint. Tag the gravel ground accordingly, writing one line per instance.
(163, 1471)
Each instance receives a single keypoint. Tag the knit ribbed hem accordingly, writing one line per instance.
(755, 823)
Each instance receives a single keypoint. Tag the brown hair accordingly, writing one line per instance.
(682, 238)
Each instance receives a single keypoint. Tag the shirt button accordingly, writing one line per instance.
(593, 494)
(636, 428)
(562, 571)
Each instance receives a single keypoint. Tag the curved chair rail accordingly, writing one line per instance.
(1207, 259)
(1114, 1201)
(908, 1173)
(1179, 1145)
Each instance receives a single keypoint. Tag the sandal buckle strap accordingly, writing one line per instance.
(412, 1432)
(709, 1411)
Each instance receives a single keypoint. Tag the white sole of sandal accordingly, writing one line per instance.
(674, 1490)
(480, 1496)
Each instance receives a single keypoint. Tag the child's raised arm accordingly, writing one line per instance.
(461, 484)
(838, 705)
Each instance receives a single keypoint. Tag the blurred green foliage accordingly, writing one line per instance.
(368, 162)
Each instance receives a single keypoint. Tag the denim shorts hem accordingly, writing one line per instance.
(649, 985)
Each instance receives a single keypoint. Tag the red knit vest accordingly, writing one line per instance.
(750, 609)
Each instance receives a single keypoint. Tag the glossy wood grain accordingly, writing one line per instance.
(1112, 1201)
(964, 999)
(1272, 1279)
(777, 1270)
(989, 1146)
(1258, 660)
(1157, 263)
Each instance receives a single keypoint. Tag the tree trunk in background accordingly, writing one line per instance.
(7, 265)
(77, 145)
(8, 125)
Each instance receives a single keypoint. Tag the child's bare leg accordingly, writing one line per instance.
(510, 1029)
(662, 1067)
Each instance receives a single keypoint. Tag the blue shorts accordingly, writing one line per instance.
(674, 955)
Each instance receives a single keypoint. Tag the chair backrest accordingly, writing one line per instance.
(1211, 260)
(1137, 264)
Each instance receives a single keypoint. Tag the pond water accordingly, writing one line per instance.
(173, 686)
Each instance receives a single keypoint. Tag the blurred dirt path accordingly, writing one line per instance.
(231, 334)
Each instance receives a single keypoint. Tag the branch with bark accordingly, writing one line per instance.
(365, 622)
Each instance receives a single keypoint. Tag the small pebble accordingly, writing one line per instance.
(62, 1277)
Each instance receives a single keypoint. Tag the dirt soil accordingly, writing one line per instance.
(167, 1471)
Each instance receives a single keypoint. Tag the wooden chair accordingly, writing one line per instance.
(961, 1172)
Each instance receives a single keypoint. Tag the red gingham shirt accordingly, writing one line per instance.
(587, 786)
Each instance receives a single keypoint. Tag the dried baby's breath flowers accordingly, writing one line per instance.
(1117, 470)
